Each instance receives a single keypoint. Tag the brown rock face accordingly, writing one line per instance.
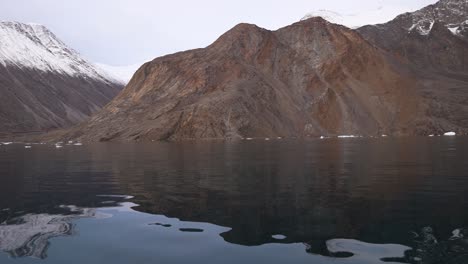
(433, 42)
(309, 79)
(433, 38)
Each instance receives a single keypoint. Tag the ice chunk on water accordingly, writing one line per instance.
(279, 237)
(366, 252)
(450, 134)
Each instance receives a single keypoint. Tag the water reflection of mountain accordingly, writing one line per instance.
(309, 192)
(376, 191)
(29, 235)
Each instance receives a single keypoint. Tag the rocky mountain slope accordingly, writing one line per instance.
(432, 41)
(434, 38)
(44, 84)
(310, 79)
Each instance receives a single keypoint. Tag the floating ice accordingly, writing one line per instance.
(347, 136)
(279, 237)
(456, 234)
(366, 252)
(450, 134)
(126, 197)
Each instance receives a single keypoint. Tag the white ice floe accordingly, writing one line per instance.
(126, 197)
(456, 234)
(431, 135)
(249, 139)
(384, 135)
(267, 139)
(322, 137)
(27, 147)
(58, 146)
(450, 134)
(347, 136)
(364, 253)
(279, 237)
(7, 143)
(78, 144)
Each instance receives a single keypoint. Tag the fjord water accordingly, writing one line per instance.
(398, 200)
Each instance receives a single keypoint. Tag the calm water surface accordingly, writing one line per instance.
(319, 201)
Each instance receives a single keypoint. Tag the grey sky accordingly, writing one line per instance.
(122, 32)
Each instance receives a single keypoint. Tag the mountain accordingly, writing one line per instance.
(122, 73)
(434, 38)
(44, 84)
(433, 42)
(309, 79)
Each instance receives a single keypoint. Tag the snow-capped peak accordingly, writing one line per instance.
(375, 15)
(33, 46)
(328, 15)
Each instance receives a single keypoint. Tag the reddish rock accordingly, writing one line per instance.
(309, 79)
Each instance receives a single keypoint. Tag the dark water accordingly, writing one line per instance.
(319, 201)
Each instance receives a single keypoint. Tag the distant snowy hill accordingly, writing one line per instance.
(377, 15)
(33, 46)
(44, 84)
(123, 73)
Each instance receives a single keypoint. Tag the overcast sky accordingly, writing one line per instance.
(123, 32)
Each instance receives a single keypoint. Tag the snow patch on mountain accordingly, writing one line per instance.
(453, 13)
(33, 46)
(328, 15)
(123, 73)
(423, 27)
(378, 15)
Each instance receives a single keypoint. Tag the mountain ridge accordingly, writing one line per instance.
(309, 79)
(44, 84)
(242, 85)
